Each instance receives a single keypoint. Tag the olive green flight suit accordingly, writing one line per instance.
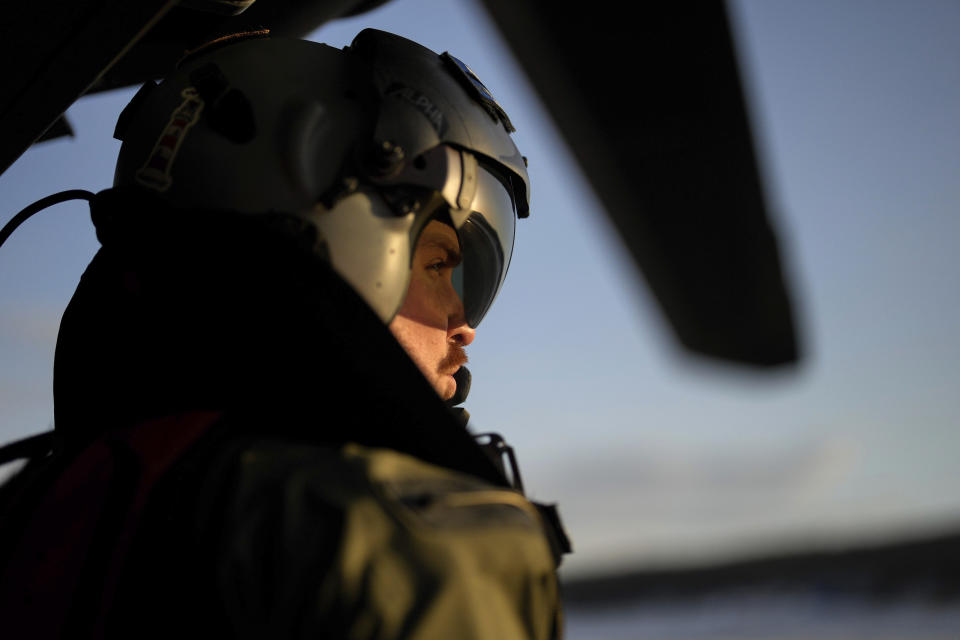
(371, 543)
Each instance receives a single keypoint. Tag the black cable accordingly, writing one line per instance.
(29, 447)
(40, 205)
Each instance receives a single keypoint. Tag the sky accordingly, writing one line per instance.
(658, 458)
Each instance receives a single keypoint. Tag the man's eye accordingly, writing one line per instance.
(437, 265)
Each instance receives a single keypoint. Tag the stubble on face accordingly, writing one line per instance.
(436, 360)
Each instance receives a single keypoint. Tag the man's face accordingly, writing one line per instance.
(430, 325)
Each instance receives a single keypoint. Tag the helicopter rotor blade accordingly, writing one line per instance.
(649, 98)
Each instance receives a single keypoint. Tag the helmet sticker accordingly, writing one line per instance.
(155, 172)
(420, 102)
(469, 80)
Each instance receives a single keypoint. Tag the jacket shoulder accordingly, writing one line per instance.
(369, 542)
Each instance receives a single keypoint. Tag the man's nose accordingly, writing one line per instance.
(461, 334)
(458, 331)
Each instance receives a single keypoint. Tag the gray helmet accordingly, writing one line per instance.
(367, 144)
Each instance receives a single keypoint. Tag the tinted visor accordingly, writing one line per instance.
(486, 244)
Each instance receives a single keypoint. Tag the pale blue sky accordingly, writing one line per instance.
(654, 456)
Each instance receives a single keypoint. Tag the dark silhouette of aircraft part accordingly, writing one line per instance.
(650, 103)
(649, 99)
(54, 52)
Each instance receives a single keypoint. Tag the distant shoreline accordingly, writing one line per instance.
(928, 568)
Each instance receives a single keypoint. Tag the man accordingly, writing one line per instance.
(250, 379)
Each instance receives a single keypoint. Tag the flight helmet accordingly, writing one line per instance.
(365, 145)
